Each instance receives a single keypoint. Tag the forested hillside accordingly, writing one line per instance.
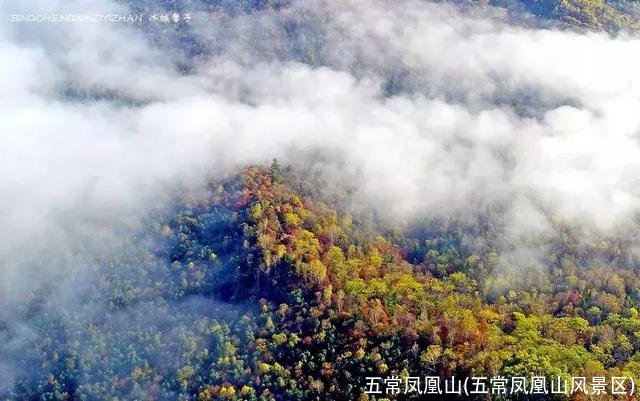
(611, 16)
(273, 295)
(310, 200)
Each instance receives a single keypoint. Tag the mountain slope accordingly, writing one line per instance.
(261, 293)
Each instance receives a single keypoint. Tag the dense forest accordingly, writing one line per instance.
(611, 16)
(274, 295)
(309, 200)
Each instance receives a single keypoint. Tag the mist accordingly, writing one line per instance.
(435, 110)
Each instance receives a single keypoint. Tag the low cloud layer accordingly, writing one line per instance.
(438, 111)
(434, 108)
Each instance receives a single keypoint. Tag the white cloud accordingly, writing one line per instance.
(480, 112)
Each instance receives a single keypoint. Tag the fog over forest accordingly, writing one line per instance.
(425, 111)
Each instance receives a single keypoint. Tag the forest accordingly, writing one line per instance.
(310, 200)
(275, 295)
